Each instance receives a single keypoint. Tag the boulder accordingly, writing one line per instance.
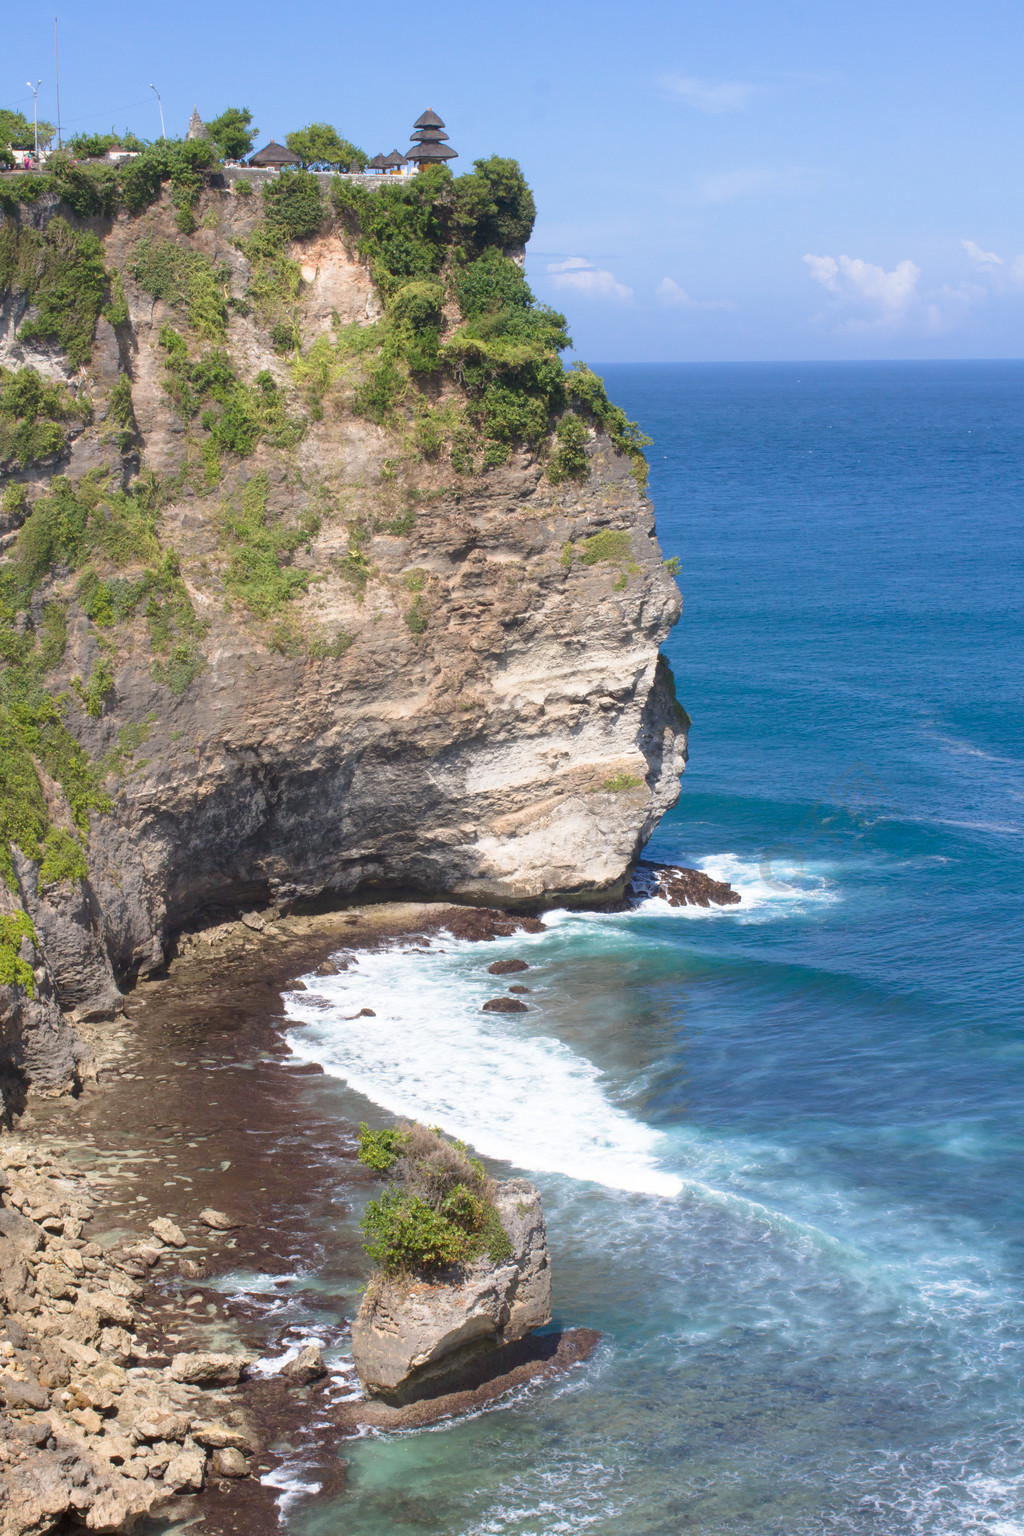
(168, 1232)
(229, 1462)
(507, 967)
(504, 1005)
(307, 1366)
(23, 1394)
(184, 1472)
(22, 1232)
(218, 1221)
(209, 1370)
(218, 1436)
(420, 1338)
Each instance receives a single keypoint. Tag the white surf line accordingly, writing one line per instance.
(429, 1053)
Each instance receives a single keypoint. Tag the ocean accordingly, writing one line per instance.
(780, 1144)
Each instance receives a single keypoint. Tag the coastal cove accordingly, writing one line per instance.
(777, 1142)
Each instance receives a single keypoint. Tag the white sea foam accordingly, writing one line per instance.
(494, 1080)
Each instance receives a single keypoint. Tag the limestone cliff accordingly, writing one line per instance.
(319, 625)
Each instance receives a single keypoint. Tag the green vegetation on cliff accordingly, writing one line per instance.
(86, 532)
(437, 239)
(34, 417)
(14, 971)
(462, 368)
(438, 1207)
(61, 273)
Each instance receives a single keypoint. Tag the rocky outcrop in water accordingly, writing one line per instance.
(417, 1338)
(680, 887)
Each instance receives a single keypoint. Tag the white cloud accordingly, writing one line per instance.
(867, 299)
(668, 292)
(983, 258)
(710, 95)
(752, 182)
(854, 281)
(582, 276)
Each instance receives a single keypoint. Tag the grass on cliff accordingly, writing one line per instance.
(186, 279)
(61, 273)
(34, 416)
(14, 971)
(236, 416)
(438, 1208)
(260, 551)
(77, 531)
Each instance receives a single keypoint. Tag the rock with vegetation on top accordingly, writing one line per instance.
(417, 1338)
(462, 1267)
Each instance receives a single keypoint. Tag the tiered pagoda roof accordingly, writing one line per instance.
(429, 147)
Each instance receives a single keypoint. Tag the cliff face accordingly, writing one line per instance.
(342, 655)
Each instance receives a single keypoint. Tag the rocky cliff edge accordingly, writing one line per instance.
(289, 611)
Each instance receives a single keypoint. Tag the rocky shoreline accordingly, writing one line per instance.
(128, 1371)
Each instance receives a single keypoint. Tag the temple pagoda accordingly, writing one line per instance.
(197, 129)
(429, 147)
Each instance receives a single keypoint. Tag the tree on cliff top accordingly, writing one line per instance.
(321, 147)
(232, 133)
(17, 131)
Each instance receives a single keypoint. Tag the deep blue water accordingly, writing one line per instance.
(780, 1145)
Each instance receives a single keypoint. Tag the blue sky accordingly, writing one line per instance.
(743, 180)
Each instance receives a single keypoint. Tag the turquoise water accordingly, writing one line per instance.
(780, 1145)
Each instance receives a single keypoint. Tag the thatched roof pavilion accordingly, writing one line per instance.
(274, 156)
(376, 164)
(428, 146)
(393, 163)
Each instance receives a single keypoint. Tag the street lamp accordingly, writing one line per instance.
(160, 104)
(35, 111)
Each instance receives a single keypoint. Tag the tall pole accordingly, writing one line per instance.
(35, 111)
(56, 65)
(159, 102)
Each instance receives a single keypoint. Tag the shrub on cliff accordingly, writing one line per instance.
(293, 204)
(32, 416)
(61, 273)
(438, 1209)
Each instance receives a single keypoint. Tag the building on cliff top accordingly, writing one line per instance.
(273, 156)
(197, 129)
(429, 147)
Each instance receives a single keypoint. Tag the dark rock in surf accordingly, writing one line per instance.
(506, 967)
(504, 1005)
(485, 923)
(680, 887)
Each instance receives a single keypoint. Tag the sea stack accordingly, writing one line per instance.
(418, 1337)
